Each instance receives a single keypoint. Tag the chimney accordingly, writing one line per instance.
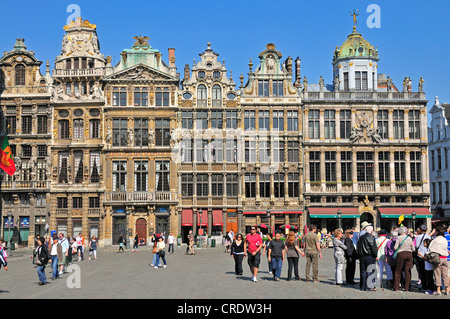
(171, 56)
(187, 72)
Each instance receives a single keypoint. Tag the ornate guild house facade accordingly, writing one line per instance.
(108, 150)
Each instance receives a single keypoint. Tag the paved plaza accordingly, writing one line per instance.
(208, 274)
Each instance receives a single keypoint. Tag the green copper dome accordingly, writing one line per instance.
(355, 47)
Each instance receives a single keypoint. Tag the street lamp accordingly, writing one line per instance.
(339, 213)
(10, 215)
(200, 231)
(413, 214)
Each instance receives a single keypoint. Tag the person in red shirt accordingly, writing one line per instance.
(253, 245)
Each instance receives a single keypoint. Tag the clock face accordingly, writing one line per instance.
(19, 59)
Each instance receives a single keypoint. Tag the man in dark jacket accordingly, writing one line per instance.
(367, 251)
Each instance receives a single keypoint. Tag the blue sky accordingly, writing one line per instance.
(413, 39)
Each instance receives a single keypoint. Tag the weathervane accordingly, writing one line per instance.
(355, 13)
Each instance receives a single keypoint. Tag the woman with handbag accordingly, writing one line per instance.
(160, 246)
(237, 252)
(41, 259)
(439, 245)
(292, 254)
(339, 255)
(404, 248)
(93, 247)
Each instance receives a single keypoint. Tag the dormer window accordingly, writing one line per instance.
(201, 74)
(263, 87)
(216, 74)
(20, 74)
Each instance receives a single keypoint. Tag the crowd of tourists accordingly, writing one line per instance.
(385, 259)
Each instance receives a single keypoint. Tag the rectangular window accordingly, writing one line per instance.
(346, 166)
(293, 185)
(416, 166)
(278, 120)
(94, 202)
(119, 176)
(162, 176)
(293, 149)
(345, 124)
(94, 128)
(187, 120)
(162, 132)
(202, 151)
(414, 124)
(140, 176)
(263, 87)
(361, 80)
(346, 87)
(78, 128)
(277, 87)
(439, 159)
(314, 166)
(62, 202)
(187, 184)
(231, 149)
(330, 166)
(292, 121)
(63, 163)
(313, 124)
(27, 124)
(433, 159)
(278, 151)
(78, 165)
(217, 184)
(232, 119)
(264, 120)
(202, 185)
(264, 185)
(398, 123)
(94, 159)
(278, 185)
(123, 97)
(42, 124)
(11, 125)
(120, 132)
(202, 120)
(264, 151)
(249, 120)
(383, 167)
(77, 202)
(216, 119)
(26, 151)
(383, 123)
(140, 97)
(42, 150)
(186, 150)
(330, 124)
(364, 166)
(141, 132)
(217, 151)
(250, 185)
(250, 151)
(232, 185)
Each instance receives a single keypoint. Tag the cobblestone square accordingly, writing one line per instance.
(207, 275)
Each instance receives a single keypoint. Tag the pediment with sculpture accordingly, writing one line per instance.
(140, 72)
(363, 131)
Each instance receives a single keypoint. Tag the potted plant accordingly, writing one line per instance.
(417, 183)
(400, 183)
(314, 183)
(179, 240)
(384, 183)
(347, 183)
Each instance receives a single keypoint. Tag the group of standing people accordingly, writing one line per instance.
(395, 255)
(276, 249)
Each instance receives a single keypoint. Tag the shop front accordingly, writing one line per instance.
(413, 217)
(331, 218)
(187, 223)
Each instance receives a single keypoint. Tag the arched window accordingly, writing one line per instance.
(20, 74)
(201, 95)
(216, 95)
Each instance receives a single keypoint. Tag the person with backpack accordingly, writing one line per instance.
(41, 260)
(404, 248)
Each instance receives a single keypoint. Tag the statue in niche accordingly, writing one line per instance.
(96, 92)
(336, 83)
(389, 84)
(270, 63)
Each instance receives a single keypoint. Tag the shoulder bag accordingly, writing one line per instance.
(396, 251)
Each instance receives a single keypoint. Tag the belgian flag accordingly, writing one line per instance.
(7, 162)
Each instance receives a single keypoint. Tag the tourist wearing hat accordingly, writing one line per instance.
(419, 261)
(363, 228)
(367, 251)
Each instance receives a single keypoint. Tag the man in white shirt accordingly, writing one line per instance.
(65, 249)
(171, 240)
